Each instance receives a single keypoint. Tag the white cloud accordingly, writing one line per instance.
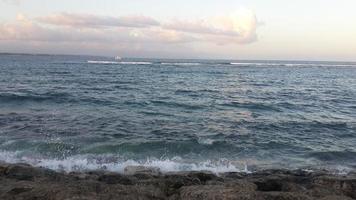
(94, 21)
(239, 27)
(26, 30)
(14, 2)
(128, 32)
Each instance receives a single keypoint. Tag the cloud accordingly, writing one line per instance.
(26, 30)
(131, 32)
(14, 2)
(94, 21)
(238, 27)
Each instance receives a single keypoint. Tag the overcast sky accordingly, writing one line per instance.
(227, 29)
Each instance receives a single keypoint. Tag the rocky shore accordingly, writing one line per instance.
(21, 181)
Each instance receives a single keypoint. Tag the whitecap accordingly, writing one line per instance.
(97, 162)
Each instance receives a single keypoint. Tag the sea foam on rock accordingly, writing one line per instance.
(131, 170)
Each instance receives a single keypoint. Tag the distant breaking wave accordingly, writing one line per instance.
(293, 64)
(259, 64)
(182, 64)
(114, 164)
(117, 63)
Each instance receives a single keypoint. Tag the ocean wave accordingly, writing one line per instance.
(51, 97)
(16, 97)
(256, 64)
(102, 62)
(182, 63)
(197, 92)
(330, 156)
(117, 63)
(252, 106)
(178, 105)
(115, 164)
(291, 64)
(136, 63)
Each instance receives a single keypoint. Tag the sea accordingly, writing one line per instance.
(78, 113)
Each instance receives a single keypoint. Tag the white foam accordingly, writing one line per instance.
(206, 141)
(257, 64)
(117, 63)
(102, 62)
(135, 63)
(293, 64)
(182, 64)
(93, 162)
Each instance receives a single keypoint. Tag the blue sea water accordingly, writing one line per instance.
(81, 112)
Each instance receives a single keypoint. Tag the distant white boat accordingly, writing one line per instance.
(118, 58)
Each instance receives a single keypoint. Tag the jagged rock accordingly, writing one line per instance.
(346, 185)
(24, 182)
(336, 198)
(114, 178)
(131, 170)
(216, 192)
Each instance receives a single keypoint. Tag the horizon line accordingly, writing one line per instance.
(162, 58)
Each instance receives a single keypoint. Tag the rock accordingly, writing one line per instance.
(173, 182)
(131, 170)
(336, 198)
(114, 178)
(233, 175)
(22, 172)
(21, 181)
(18, 190)
(269, 185)
(344, 185)
(283, 196)
(204, 176)
(217, 192)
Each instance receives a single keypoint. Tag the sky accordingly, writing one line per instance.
(202, 29)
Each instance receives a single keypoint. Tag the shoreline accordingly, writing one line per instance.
(23, 181)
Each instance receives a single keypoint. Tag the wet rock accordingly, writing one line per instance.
(114, 178)
(216, 192)
(131, 170)
(173, 182)
(18, 190)
(233, 175)
(336, 198)
(344, 185)
(204, 176)
(283, 196)
(21, 181)
(22, 172)
(269, 185)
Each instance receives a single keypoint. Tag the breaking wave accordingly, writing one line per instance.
(114, 164)
(292, 64)
(117, 63)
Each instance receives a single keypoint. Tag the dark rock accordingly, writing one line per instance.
(233, 175)
(345, 185)
(173, 182)
(21, 181)
(336, 198)
(204, 176)
(131, 170)
(215, 192)
(18, 190)
(269, 185)
(283, 196)
(113, 178)
(22, 172)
